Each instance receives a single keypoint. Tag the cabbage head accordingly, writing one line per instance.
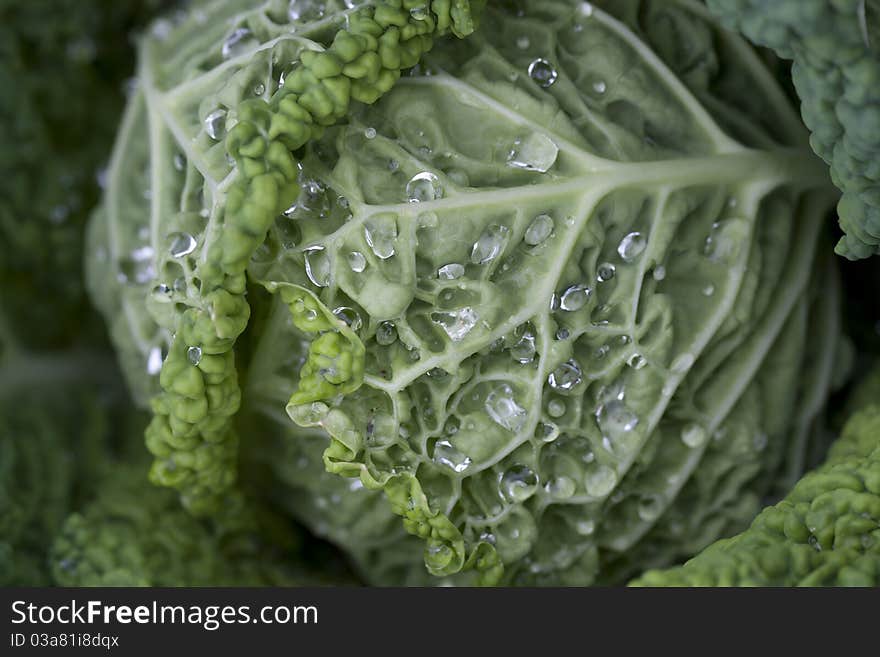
(555, 300)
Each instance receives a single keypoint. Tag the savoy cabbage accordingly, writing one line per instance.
(439, 292)
(558, 293)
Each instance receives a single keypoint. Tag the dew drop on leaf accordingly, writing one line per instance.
(215, 124)
(534, 152)
(518, 483)
(543, 72)
(450, 272)
(181, 244)
(490, 245)
(504, 410)
(357, 261)
(631, 246)
(317, 266)
(539, 230)
(424, 187)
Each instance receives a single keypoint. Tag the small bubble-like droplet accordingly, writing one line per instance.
(566, 376)
(560, 488)
(504, 410)
(490, 245)
(181, 244)
(535, 152)
(518, 483)
(539, 230)
(424, 187)
(543, 72)
(350, 316)
(450, 272)
(357, 262)
(194, 355)
(632, 246)
(574, 298)
(556, 408)
(636, 361)
(317, 266)
(380, 233)
(605, 272)
(456, 323)
(650, 507)
(386, 333)
(215, 124)
(447, 455)
(693, 435)
(600, 480)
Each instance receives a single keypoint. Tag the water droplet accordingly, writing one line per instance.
(556, 408)
(600, 87)
(560, 488)
(542, 72)
(154, 361)
(563, 334)
(523, 42)
(566, 376)
(585, 527)
(370, 133)
(456, 323)
(424, 187)
(194, 355)
(381, 234)
(600, 480)
(181, 244)
(504, 410)
(575, 298)
(547, 431)
(615, 419)
(518, 483)
(693, 435)
(350, 316)
(813, 542)
(636, 361)
(306, 10)
(447, 455)
(535, 152)
(386, 333)
(215, 124)
(539, 230)
(586, 9)
(605, 272)
(650, 507)
(357, 261)
(420, 13)
(137, 268)
(632, 246)
(259, 89)
(709, 290)
(490, 245)
(239, 42)
(162, 293)
(682, 363)
(179, 161)
(524, 350)
(659, 273)
(450, 272)
(317, 266)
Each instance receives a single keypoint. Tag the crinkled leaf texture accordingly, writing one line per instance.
(557, 294)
